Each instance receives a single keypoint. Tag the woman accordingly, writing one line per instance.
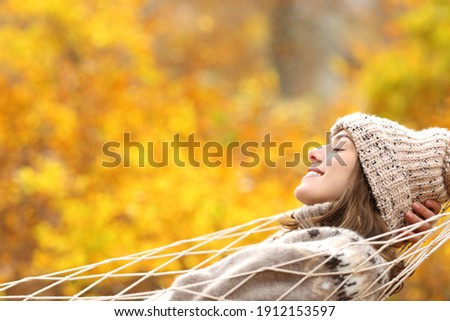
(361, 185)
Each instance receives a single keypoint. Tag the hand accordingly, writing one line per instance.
(419, 213)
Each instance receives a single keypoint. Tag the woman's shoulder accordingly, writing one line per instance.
(346, 247)
(311, 264)
(330, 234)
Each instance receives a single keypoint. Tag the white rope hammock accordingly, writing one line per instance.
(141, 275)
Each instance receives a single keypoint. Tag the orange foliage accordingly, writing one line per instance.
(73, 80)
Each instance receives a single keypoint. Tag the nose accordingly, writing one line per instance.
(316, 155)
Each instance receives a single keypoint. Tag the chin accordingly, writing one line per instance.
(300, 195)
(308, 202)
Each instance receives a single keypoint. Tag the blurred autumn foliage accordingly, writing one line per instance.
(76, 75)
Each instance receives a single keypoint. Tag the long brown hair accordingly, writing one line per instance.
(355, 210)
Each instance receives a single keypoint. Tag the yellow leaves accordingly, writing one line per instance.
(255, 86)
(75, 75)
(206, 23)
(408, 77)
(430, 281)
(105, 27)
(256, 28)
(47, 177)
(30, 7)
(185, 120)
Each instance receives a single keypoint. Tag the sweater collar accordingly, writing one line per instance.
(307, 211)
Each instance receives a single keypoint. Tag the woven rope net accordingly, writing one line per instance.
(141, 275)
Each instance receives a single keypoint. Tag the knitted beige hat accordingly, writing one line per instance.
(401, 165)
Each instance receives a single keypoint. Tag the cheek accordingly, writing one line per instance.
(340, 178)
(345, 173)
(345, 164)
(339, 182)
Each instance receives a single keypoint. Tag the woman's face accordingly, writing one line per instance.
(330, 171)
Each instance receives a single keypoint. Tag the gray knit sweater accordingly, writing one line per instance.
(324, 263)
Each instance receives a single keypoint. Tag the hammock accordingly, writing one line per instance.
(141, 275)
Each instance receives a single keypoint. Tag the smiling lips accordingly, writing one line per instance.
(314, 172)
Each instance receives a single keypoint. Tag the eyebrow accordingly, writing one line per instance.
(338, 136)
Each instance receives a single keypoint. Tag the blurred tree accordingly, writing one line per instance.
(407, 75)
(306, 37)
(74, 80)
